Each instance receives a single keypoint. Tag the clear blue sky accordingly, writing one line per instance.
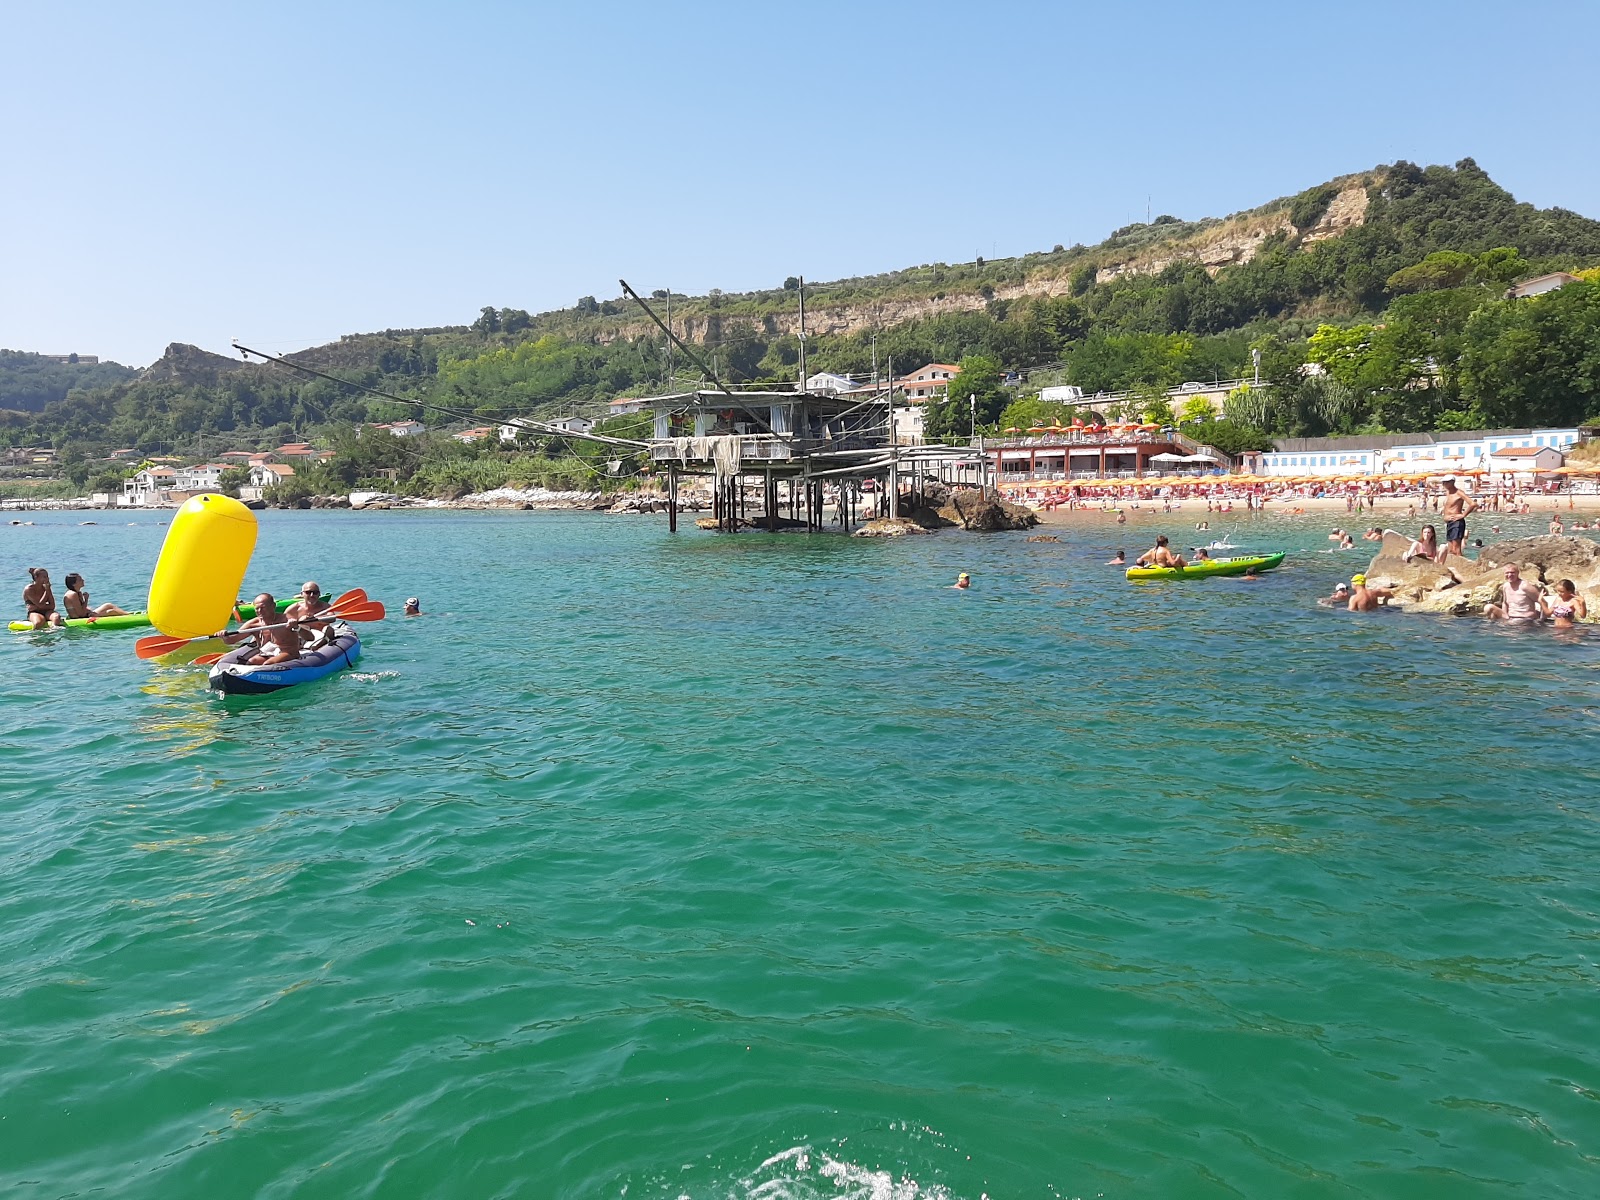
(289, 172)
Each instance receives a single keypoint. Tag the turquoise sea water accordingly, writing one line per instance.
(696, 866)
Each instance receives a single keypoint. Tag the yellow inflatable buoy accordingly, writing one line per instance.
(201, 566)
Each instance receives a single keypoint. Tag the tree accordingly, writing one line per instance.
(1536, 361)
(979, 381)
(1195, 408)
(488, 321)
(792, 284)
(1441, 269)
(231, 480)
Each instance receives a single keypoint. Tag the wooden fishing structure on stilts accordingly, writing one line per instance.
(797, 446)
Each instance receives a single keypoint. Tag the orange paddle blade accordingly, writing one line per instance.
(205, 660)
(157, 645)
(372, 610)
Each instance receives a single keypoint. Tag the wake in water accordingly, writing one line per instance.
(806, 1173)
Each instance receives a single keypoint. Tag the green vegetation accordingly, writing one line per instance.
(1401, 318)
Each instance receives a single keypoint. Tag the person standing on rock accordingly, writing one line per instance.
(1458, 506)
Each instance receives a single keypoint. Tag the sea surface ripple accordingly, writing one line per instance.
(658, 866)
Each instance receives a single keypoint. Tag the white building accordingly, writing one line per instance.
(927, 382)
(467, 436)
(909, 420)
(265, 475)
(1540, 284)
(1399, 454)
(826, 381)
(624, 406)
(1524, 460)
(402, 428)
(207, 477)
(149, 486)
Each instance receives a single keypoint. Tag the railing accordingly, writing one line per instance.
(763, 447)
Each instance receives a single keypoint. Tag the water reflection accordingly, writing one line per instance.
(184, 713)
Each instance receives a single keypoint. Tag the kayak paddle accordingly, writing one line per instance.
(372, 611)
(156, 645)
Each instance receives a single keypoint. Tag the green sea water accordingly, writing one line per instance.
(658, 866)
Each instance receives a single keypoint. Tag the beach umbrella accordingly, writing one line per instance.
(1149, 428)
(1013, 429)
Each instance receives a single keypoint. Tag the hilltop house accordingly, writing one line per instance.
(402, 428)
(624, 406)
(827, 381)
(927, 383)
(467, 436)
(1539, 285)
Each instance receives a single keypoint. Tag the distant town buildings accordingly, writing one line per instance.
(1401, 453)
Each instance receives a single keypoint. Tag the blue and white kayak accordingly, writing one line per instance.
(233, 676)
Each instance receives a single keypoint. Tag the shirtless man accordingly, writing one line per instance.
(1160, 555)
(40, 600)
(304, 611)
(1458, 506)
(1367, 599)
(1519, 600)
(277, 640)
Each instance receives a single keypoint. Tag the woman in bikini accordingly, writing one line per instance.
(40, 600)
(1567, 609)
(76, 601)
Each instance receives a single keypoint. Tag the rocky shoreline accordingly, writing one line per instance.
(1464, 586)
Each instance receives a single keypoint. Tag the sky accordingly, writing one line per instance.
(287, 173)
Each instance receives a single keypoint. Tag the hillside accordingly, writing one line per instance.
(1428, 250)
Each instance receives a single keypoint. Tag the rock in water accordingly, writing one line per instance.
(971, 509)
(1464, 586)
(887, 527)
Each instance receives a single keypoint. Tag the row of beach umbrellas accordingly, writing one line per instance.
(1080, 427)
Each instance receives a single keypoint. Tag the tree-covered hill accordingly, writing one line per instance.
(1391, 283)
(29, 381)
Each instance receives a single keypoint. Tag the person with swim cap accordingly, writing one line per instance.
(1364, 598)
(963, 581)
(413, 607)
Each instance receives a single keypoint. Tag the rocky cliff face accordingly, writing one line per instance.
(183, 363)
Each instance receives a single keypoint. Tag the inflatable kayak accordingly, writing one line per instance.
(1209, 566)
(137, 620)
(231, 675)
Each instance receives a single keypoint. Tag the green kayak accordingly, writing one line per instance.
(1209, 566)
(136, 620)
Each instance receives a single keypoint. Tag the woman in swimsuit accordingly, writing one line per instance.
(76, 601)
(1426, 546)
(40, 600)
(1568, 608)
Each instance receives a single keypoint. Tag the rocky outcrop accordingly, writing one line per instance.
(890, 527)
(971, 509)
(1464, 586)
(1349, 209)
(183, 363)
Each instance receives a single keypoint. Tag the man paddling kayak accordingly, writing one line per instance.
(277, 640)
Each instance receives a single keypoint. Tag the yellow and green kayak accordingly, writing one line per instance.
(137, 620)
(1209, 566)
